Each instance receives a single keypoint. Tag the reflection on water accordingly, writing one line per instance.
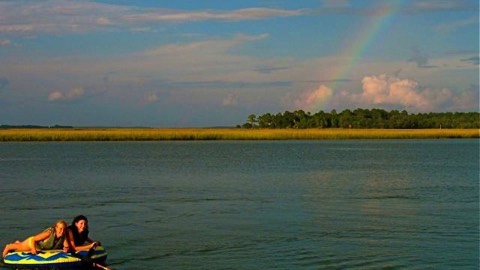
(409, 204)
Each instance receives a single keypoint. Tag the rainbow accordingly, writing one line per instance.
(355, 50)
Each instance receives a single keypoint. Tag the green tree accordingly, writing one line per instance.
(265, 121)
(345, 119)
(364, 118)
(333, 119)
(300, 119)
(252, 119)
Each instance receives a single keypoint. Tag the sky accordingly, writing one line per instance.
(207, 63)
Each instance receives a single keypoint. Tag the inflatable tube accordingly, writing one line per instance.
(56, 259)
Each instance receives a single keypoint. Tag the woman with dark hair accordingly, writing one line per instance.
(77, 235)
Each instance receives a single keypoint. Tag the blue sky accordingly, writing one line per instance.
(214, 62)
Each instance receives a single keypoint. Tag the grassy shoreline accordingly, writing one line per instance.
(177, 134)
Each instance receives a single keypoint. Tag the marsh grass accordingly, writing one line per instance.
(152, 134)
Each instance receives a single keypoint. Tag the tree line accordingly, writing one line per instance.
(364, 118)
(31, 126)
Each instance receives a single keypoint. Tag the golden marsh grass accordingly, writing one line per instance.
(163, 134)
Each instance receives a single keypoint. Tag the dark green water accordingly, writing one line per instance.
(374, 204)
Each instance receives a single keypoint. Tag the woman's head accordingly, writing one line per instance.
(81, 222)
(60, 227)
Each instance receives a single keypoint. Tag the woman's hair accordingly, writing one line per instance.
(78, 218)
(61, 221)
(79, 238)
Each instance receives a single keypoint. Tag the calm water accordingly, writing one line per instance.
(387, 204)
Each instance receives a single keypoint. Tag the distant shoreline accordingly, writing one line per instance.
(202, 134)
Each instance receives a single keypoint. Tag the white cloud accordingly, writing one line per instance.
(56, 16)
(73, 94)
(55, 95)
(17, 28)
(235, 15)
(143, 29)
(230, 100)
(383, 89)
(104, 21)
(468, 100)
(206, 60)
(151, 98)
(311, 99)
(336, 3)
(392, 91)
(388, 92)
(449, 27)
(5, 42)
(214, 46)
(428, 5)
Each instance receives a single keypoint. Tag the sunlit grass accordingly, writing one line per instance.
(147, 134)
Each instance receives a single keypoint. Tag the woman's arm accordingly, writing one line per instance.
(73, 247)
(85, 247)
(65, 245)
(90, 240)
(36, 238)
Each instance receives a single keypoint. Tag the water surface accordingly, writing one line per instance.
(357, 204)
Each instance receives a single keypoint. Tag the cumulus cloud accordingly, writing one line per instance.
(391, 90)
(311, 99)
(151, 98)
(5, 42)
(230, 100)
(388, 92)
(420, 58)
(73, 94)
(468, 100)
(394, 92)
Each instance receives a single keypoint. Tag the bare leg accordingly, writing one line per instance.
(26, 245)
(6, 250)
